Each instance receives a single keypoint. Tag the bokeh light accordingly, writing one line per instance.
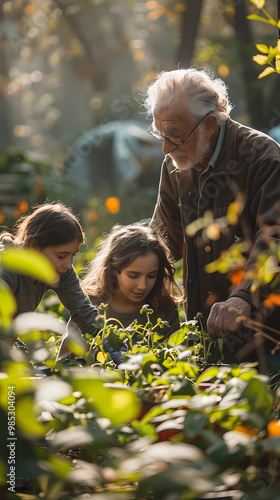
(112, 205)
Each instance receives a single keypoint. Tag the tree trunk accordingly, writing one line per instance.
(189, 27)
(278, 15)
(99, 73)
(6, 136)
(249, 70)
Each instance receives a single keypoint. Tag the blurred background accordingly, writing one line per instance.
(73, 77)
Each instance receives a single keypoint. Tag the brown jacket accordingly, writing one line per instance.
(248, 163)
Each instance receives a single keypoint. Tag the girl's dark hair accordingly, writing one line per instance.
(50, 224)
(121, 247)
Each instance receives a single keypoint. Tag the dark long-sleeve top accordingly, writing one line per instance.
(28, 293)
(245, 162)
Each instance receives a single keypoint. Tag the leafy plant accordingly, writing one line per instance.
(167, 422)
(269, 56)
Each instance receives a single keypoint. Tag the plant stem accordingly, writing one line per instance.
(269, 16)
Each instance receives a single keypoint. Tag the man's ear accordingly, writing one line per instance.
(211, 123)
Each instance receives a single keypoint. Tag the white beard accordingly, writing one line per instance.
(189, 160)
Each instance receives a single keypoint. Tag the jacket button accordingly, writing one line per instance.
(208, 248)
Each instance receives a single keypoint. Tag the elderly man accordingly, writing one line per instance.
(210, 161)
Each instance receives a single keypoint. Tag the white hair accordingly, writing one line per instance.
(197, 88)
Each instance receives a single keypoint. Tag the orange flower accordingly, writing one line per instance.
(113, 205)
(237, 276)
(29, 9)
(22, 206)
(273, 428)
(2, 218)
(272, 299)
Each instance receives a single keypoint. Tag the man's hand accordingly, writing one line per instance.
(223, 316)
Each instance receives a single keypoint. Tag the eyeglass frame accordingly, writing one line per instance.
(161, 137)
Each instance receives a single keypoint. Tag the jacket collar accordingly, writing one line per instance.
(218, 147)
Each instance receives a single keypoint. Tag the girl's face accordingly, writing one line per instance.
(136, 280)
(61, 256)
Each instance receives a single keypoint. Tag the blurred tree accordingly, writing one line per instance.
(68, 66)
(225, 43)
(189, 29)
(237, 18)
(76, 64)
(5, 125)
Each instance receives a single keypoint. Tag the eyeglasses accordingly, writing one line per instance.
(174, 140)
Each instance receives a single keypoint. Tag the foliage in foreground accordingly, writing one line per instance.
(169, 423)
(165, 424)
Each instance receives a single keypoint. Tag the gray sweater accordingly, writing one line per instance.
(28, 293)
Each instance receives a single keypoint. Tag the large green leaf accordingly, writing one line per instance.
(176, 338)
(29, 322)
(118, 403)
(208, 374)
(26, 419)
(17, 377)
(8, 304)
(183, 368)
(259, 396)
(28, 261)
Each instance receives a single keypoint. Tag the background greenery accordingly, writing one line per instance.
(174, 426)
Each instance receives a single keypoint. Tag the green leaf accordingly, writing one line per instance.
(258, 3)
(259, 396)
(52, 389)
(72, 437)
(26, 420)
(29, 322)
(61, 466)
(183, 388)
(265, 72)
(176, 338)
(255, 17)
(194, 422)
(8, 304)
(116, 341)
(122, 404)
(117, 403)
(29, 262)
(183, 368)
(219, 453)
(87, 382)
(14, 377)
(261, 60)
(193, 336)
(262, 48)
(208, 374)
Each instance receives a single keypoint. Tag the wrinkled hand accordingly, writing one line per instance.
(223, 317)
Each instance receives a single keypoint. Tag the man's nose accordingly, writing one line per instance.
(167, 146)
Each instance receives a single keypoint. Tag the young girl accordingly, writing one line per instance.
(54, 231)
(131, 269)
